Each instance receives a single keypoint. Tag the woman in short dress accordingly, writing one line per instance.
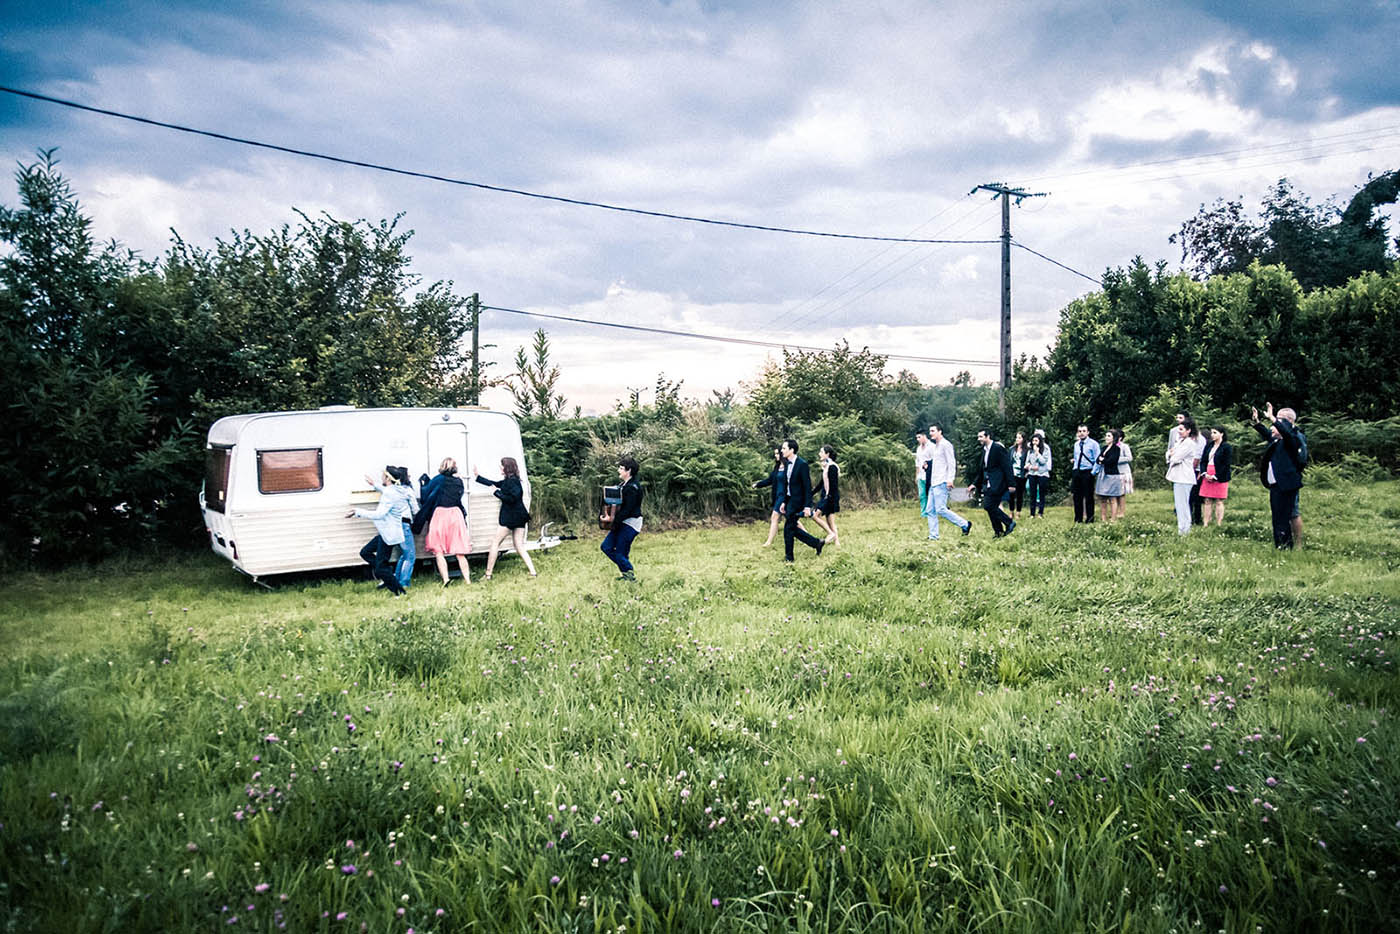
(1215, 467)
(777, 479)
(445, 517)
(514, 517)
(826, 508)
(1109, 485)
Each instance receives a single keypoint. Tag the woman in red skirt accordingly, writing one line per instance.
(1215, 475)
(445, 516)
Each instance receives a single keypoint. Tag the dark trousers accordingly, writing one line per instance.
(379, 556)
(1081, 486)
(1282, 505)
(617, 545)
(1001, 522)
(1037, 494)
(1196, 518)
(1017, 501)
(792, 530)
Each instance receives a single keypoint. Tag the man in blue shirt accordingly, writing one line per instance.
(1083, 465)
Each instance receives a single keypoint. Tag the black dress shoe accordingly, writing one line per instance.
(967, 529)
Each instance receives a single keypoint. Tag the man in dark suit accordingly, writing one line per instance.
(992, 476)
(1282, 471)
(798, 502)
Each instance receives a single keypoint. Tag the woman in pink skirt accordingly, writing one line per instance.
(445, 516)
(1215, 475)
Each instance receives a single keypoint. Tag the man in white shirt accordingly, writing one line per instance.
(943, 472)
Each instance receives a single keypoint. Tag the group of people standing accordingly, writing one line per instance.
(1199, 467)
(438, 505)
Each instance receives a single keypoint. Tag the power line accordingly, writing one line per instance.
(841, 301)
(725, 340)
(1285, 145)
(846, 299)
(1058, 263)
(1261, 160)
(870, 259)
(430, 176)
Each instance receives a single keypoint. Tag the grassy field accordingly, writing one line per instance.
(1097, 728)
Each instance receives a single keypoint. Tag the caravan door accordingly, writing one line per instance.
(448, 440)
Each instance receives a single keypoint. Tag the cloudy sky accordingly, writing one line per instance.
(870, 118)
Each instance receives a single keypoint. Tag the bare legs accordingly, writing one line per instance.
(1106, 508)
(829, 524)
(1215, 508)
(1119, 506)
(517, 541)
(772, 529)
(461, 566)
(517, 538)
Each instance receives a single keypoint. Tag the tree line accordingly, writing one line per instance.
(114, 366)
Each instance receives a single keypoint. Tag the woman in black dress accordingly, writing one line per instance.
(514, 516)
(777, 479)
(830, 502)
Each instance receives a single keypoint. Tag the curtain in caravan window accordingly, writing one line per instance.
(289, 471)
(216, 461)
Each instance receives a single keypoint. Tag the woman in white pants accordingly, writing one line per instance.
(1181, 471)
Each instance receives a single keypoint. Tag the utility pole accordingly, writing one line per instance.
(475, 305)
(1006, 194)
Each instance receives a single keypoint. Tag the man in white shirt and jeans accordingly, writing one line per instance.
(943, 472)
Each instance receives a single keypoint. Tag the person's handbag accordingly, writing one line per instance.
(612, 498)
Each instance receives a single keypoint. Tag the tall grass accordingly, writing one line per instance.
(1077, 728)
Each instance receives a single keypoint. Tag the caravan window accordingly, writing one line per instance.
(296, 471)
(216, 461)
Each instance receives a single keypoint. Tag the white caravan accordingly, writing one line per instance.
(277, 485)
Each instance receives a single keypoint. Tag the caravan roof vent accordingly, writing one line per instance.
(337, 408)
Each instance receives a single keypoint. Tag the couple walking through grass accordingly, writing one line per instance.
(795, 499)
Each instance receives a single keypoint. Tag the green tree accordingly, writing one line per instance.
(86, 459)
(322, 313)
(1353, 355)
(809, 385)
(1321, 244)
(534, 383)
(1257, 341)
(1116, 346)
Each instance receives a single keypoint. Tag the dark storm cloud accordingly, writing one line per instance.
(1120, 150)
(1344, 53)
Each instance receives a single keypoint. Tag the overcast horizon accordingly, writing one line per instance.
(875, 119)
